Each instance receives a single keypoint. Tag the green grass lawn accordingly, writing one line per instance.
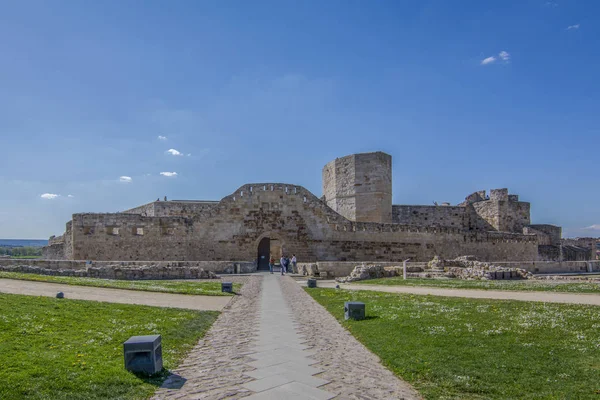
(72, 349)
(520, 285)
(453, 348)
(182, 287)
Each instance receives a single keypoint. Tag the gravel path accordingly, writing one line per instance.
(215, 368)
(547, 297)
(157, 299)
(353, 371)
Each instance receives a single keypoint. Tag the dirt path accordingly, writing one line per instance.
(548, 297)
(205, 303)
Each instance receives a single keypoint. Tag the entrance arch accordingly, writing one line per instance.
(264, 253)
(268, 246)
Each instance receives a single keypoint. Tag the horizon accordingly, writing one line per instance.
(107, 106)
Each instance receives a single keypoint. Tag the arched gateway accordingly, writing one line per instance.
(268, 247)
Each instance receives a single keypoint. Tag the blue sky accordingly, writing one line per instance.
(465, 96)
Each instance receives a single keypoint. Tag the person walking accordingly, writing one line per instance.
(271, 263)
(283, 264)
(294, 269)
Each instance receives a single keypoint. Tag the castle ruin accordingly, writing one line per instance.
(354, 220)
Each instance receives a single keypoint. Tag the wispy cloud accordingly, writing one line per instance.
(570, 27)
(595, 227)
(504, 56)
(488, 60)
(169, 174)
(551, 4)
(70, 196)
(174, 152)
(162, 137)
(49, 196)
(125, 179)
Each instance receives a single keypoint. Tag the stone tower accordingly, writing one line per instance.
(359, 187)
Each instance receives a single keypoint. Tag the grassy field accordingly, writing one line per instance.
(72, 349)
(26, 257)
(182, 287)
(517, 285)
(453, 348)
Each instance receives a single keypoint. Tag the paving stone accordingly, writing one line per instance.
(267, 383)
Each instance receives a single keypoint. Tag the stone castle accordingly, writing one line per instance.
(354, 220)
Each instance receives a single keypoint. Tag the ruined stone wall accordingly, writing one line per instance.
(54, 251)
(179, 208)
(547, 234)
(447, 216)
(503, 212)
(578, 249)
(147, 210)
(303, 224)
(68, 236)
(359, 187)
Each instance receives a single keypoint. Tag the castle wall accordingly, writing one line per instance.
(503, 212)
(359, 187)
(147, 210)
(447, 216)
(178, 208)
(547, 234)
(232, 229)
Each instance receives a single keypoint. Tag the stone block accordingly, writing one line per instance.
(143, 354)
(227, 287)
(312, 283)
(354, 310)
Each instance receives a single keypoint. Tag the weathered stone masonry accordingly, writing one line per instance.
(354, 221)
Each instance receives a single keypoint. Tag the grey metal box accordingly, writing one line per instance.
(312, 283)
(354, 310)
(143, 354)
(227, 287)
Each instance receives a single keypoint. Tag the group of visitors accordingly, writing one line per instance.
(285, 262)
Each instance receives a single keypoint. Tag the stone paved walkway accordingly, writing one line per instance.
(275, 342)
(157, 299)
(548, 297)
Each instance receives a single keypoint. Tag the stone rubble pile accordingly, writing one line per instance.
(467, 267)
(119, 272)
(308, 269)
(362, 272)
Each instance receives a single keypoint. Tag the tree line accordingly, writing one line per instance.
(25, 251)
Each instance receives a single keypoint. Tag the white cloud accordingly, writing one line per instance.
(70, 196)
(49, 196)
(189, 154)
(576, 26)
(488, 60)
(125, 179)
(551, 4)
(162, 137)
(174, 152)
(595, 227)
(504, 56)
(169, 174)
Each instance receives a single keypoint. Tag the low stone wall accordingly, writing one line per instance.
(336, 269)
(117, 272)
(552, 267)
(128, 269)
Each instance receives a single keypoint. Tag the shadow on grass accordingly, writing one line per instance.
(164, 378)
(368, 317)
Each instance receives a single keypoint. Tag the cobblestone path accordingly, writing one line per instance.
(275, 342)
